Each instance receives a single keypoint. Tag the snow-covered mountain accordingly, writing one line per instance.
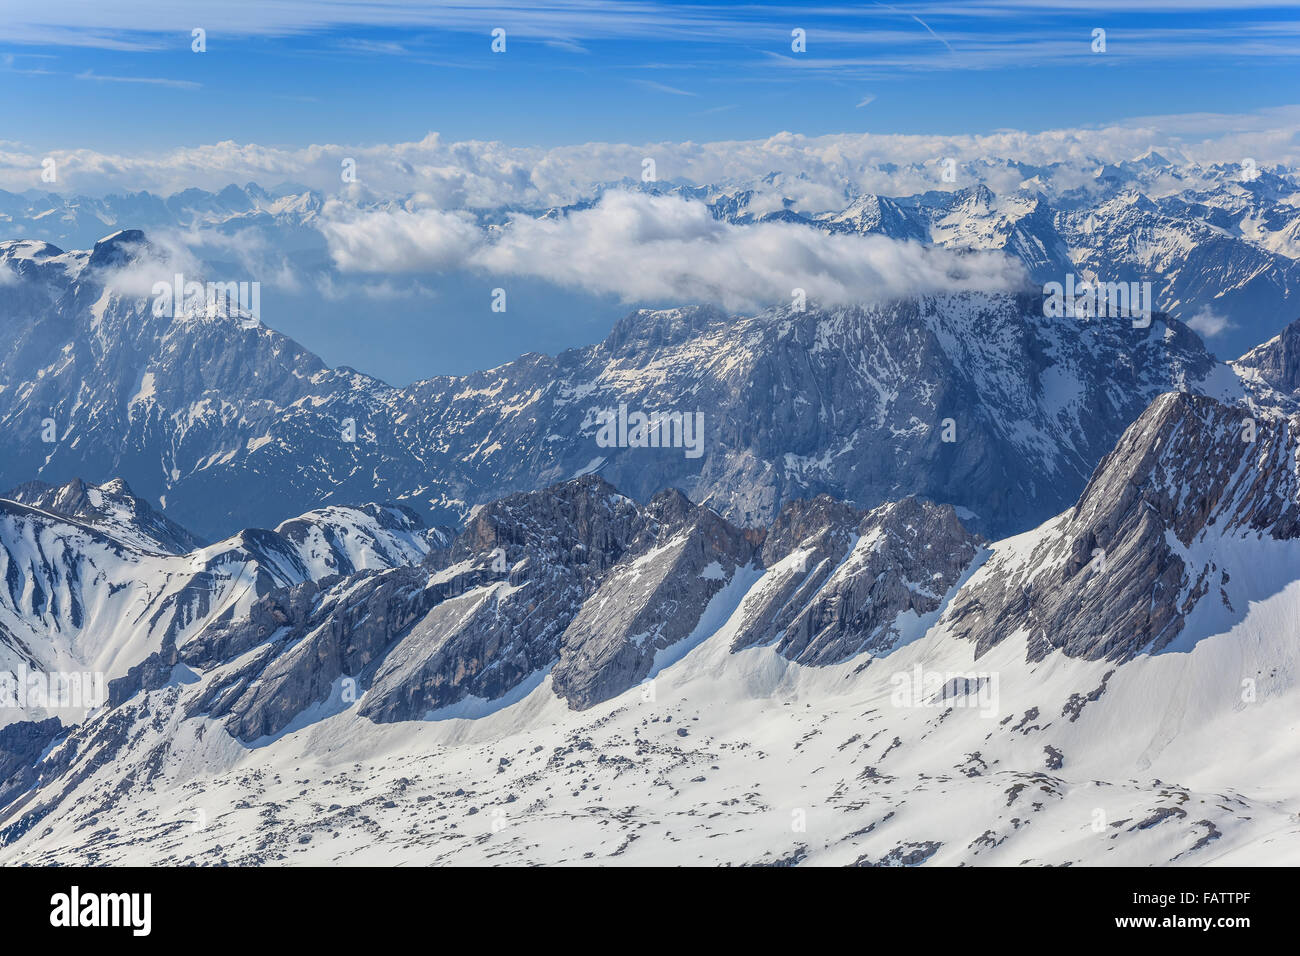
(95, 580)
(111, 508)
(1271, 371)
(976, 400)
(883, 688)
(1220, 254)
(1190, 521)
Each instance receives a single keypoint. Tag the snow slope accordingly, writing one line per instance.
(1000, 728)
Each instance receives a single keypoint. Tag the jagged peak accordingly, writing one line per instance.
(119, 248)
(1196, 461)
(113, 508)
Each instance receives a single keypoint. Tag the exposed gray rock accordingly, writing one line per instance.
(577, 580)
(1111, 577)
(901, 557)
(555, 546)
(805, 545)
(475, 619)
(905, 854)
(21, 744)
(347, 630)
(650, 601)
(1274, 368)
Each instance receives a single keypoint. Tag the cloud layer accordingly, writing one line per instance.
(646, 248)
(817, 172)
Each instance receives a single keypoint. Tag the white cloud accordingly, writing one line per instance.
(252, 251)
(168, 252)
(661, 248)
(397, 239)
(1207, 323)
(165, 256)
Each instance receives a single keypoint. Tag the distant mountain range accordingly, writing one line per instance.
(975, 400)
(1219, 243)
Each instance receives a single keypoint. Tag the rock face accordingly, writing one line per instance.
(21, 745)
(584, 583)
(649, 602)
(552, 548)
(576, 581)
(1118, 574)
(1272, 370)
(575, 577)
(849, 584)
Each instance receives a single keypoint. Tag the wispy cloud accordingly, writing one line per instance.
(148, 80)
(912, 16)
(663, 88)
(1209, 324)
(567, 45)
(384, 47)
(928, 35)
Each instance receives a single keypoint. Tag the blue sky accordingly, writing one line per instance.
(122, 76)
(287, 88)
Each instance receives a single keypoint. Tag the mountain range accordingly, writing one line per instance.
(578, 676)
(978, 400)
(950, 581)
